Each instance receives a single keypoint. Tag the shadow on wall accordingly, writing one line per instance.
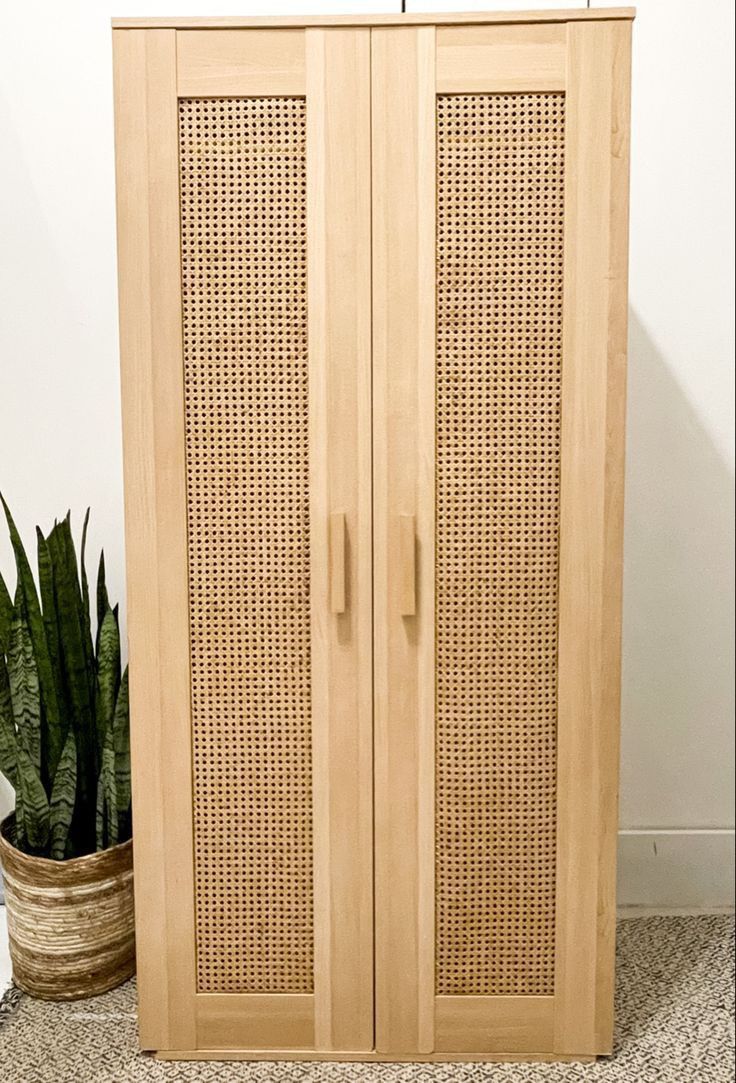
(677, 747)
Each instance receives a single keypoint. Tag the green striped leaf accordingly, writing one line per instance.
(20, 823)
(31, 798)
(77, 681)
(121, 729)
(103, 603)
(6, 615)
(89, 646)
(82, 599)
(53, 731)
(107, 806)
(25, 694)
(108, 676)
(35, 623)
(79, 585)
(63, 796)
(8, 754)
(83, 571)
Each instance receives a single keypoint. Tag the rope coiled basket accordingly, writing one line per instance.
(70, 923)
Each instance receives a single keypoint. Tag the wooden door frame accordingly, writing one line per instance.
(403, 163)
(152, 376)
(590, 61)
(330, 67)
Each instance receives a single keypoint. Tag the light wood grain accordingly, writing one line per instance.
(240, 1020)
(501, 59)
(339, 268)
(403, 358)
(593, 396)
(337, 562)
(562, 15)
(426, 348)
(406, 558)
(239, 63)
(155, 516)
(490, 1024)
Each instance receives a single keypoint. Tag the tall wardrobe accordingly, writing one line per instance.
(373, 335)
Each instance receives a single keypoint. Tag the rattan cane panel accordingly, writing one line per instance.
(499, 352)
(243, 217)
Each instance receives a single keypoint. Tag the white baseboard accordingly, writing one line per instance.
(676, 869)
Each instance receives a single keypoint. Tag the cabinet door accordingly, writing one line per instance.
(244, 225)
(500, 158)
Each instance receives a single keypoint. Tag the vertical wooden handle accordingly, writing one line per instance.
(407, 566)
(337, 562)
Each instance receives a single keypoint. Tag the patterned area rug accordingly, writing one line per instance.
(675, 1012)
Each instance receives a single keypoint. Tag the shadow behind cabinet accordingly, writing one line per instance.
(373, 334)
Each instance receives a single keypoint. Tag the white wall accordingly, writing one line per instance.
(677, 711)
(59, 399)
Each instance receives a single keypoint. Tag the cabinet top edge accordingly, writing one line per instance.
(232, 22)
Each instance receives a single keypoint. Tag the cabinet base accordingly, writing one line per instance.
(370, 1057)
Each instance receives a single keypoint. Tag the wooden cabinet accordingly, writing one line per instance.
(373, 337)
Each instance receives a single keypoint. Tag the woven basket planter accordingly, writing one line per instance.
(70, 923)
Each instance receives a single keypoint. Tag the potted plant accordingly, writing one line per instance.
(66, 851)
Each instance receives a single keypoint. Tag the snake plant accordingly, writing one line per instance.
(64, 727)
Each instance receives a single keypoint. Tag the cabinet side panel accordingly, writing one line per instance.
(244, 253)
(593, 403)
(499, 360)
(155, 516)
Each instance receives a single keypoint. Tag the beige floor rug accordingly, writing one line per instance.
(675, 1024)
